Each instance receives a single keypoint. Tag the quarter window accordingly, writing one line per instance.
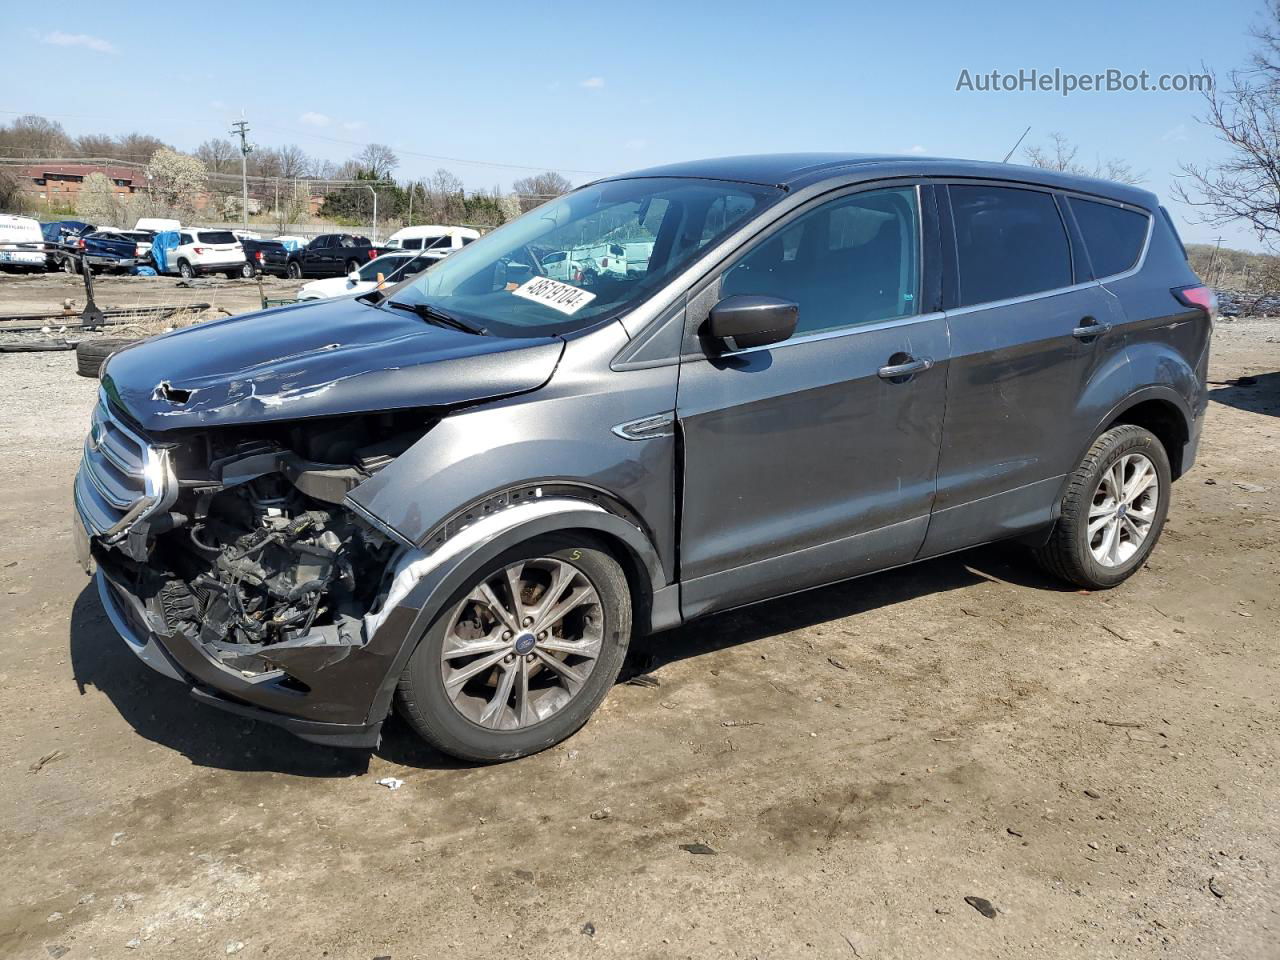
(1009, 243)
(1112, 235)
(851, 261)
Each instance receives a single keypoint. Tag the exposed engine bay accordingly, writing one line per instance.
(258, 554)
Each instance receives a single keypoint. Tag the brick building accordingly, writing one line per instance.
(57, 184)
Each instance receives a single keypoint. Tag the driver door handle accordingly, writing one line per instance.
(906, 369)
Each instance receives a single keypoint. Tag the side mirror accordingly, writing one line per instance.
(752, 321)
(354, 276)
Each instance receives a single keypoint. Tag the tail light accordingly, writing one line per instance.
(577, 276)
(197, 250)
(372, 254)
(604, 263)
(80, 243)
(137, 250)
(1197, 295)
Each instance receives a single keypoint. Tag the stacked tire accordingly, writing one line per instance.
(92, 354)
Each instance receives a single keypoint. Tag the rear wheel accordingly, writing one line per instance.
(185, 270)
(69, 265)
(352, 266)
(246, 270)
(523, 654)
(1113, 511)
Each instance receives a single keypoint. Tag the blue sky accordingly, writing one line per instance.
(604, 88)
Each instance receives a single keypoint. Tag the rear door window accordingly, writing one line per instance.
(1009, 243)
(1113, 235)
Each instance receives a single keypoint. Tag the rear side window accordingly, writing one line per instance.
(413, 243)
(217, 236)
(1009, 243)
(1112, 235)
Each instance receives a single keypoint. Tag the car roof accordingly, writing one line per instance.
(792, 171)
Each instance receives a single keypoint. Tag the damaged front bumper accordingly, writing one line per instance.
(325, 682)
(333, 708)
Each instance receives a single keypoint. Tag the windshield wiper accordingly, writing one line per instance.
(439, 317)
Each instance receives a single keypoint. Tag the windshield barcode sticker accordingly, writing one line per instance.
(564, 297)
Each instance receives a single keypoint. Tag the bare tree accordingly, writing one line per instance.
(218, 155)
(34, 136)
(139, 147)
(12, 199)
(540, 187)
(378, 160)
(1061, 155)
(95, 145)
(1245, 115)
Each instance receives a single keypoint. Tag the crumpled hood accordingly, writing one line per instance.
(315, 360)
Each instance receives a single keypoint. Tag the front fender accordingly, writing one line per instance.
(425, 583)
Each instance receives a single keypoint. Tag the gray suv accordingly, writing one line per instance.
(466, 493)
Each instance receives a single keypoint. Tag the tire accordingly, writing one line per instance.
(604, 620)
(352, 266)
(92, 354)
(1071, 552)
(294, 270)
(70, 266)
(246, 271)
(185, 270)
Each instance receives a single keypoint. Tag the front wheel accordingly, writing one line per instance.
(523, 654)
(294, 270)
(1113, 511)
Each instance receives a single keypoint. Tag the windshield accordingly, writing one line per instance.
(585, 256)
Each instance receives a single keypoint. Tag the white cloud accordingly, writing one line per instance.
(353, 125)
(59, 39)
(917, 149)
(313, 119)
(592, 83)
(1177, 134)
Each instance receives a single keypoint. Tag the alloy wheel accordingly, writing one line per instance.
(1123, 509)
(522, 643)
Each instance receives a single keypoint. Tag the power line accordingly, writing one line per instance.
(319, 136)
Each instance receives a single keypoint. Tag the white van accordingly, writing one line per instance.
(21, 243)
(431, 237)
(157, 224)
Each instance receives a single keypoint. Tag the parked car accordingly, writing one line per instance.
(61, 235)
(111, 250)
(332, 255)
(431, 237)
(387, 270)
(468, 493)
(157, 224)
(584, 264)
(264, 256)
(21, 243)
(202, 251)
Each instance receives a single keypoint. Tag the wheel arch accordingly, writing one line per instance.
(439, 575)
(1160, 410)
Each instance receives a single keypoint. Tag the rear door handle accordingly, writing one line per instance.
(896, 371)
(1090, 328)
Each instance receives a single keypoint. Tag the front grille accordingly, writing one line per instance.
(112, 480)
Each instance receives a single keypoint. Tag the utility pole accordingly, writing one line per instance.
(375, 212)
(240, 128)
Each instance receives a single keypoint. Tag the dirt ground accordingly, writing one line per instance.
(1101, 767)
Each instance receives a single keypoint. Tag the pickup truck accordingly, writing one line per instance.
(264, 256)
(109, 250)
(332, 255)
